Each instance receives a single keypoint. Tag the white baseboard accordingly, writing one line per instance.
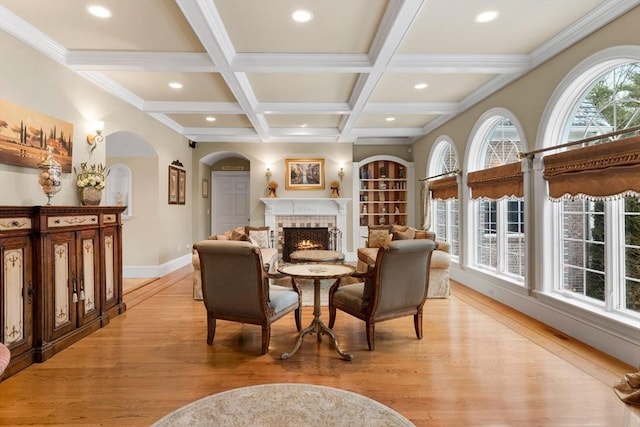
(149, 271)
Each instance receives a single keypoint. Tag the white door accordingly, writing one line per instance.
(230, 201)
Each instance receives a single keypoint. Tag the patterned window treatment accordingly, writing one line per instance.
(497, 182)
(445, 188)
(598, 172)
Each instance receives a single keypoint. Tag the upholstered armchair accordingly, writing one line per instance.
(380, 236)
(235, 287)
(397, 286)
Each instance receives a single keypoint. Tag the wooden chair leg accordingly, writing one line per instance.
(417, 321)
(211, 328)
(266, 336)
(371, 331)
(298, 316)
(332, 315)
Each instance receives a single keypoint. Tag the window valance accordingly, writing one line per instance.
(444, 188)
(497, 182)
(597, 172)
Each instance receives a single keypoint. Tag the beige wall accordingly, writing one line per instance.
(37, 82)
(260, 155)
(527, 97)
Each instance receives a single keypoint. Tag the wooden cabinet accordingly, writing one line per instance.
(70, 273)
(78, 274)
(16, 286)
(61, 277)
(384, 186)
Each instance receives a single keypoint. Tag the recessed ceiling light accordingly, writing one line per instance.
(210, 119)
(175, 85)
(302, 16)
(99, 11)
(390, 119)
(421, 86)
(486, 16)
(303, 125)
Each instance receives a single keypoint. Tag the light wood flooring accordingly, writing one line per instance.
(480, 364)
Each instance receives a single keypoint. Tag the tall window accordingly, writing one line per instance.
(600, 242)
(500, 244)
(445, 219)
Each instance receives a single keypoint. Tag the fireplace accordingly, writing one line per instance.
(304, 238)
(328, 213)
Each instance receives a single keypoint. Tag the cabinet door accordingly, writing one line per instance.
(61, 285)
(16, 290)
(112, 271)
(88, 276)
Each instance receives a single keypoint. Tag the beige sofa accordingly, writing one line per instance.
(259, 236)
(440, 258)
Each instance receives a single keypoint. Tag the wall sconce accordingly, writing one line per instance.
(92, 139)
(341, 173)
(268, 173)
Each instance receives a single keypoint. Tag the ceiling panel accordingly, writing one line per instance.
(150, 86)
(264, 76)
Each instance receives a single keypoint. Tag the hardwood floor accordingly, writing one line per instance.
(480, 363)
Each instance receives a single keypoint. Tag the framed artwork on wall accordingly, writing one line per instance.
(182, 186)
(304, 174)
(26, 134)
(173, 185)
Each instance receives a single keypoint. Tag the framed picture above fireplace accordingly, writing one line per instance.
(304, 174)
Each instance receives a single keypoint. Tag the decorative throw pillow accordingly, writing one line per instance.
(378, 236)
(401, 228)
(222, 237)
(408, 234)
(259, 234)
(420, 235)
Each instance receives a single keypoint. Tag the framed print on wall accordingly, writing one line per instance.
(173, 185)
(304, 174)
(182, 186)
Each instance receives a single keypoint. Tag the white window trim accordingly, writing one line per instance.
(551, 128)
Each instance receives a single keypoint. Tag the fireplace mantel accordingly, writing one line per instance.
(337, 207)
(305, 207)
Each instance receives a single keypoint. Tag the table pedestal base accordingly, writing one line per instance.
(317, 327)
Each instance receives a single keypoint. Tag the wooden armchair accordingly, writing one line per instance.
(235, 287)
(395, 287)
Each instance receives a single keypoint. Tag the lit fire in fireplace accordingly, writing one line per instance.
(307, 244)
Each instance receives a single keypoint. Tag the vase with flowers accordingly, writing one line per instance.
(90, 181)
(272, 186)
(335, 189)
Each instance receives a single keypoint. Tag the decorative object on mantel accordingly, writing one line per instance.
(272, 186)
(335, 189)
(90, 182)
(177, 163)
(49, 177)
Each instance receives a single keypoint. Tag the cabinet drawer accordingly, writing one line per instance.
(8, 224)
(109, 218)
(70, 221)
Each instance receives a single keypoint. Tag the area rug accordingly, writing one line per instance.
(282, 405)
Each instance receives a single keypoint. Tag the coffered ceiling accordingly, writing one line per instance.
(260, 76)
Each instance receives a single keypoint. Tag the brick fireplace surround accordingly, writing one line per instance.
(317, 212)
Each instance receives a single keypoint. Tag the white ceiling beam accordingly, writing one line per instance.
(411, 108)
(301, 62)
(192, 107)
(303, 108)
(454, 63)
(140, 61)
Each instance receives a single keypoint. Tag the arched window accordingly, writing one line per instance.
(599, 239)
(445, 217)
(499, 240)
